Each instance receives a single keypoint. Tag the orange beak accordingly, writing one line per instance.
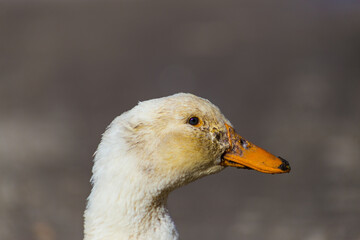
(243, 154)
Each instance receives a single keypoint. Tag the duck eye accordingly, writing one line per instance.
(193, 121)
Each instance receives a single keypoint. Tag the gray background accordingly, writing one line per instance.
(286, 73)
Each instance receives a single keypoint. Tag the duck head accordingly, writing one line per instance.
(184, 137)
(157, 146)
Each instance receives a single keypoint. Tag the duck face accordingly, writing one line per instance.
(193, 142)
(192, 139)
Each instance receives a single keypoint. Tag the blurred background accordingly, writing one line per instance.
(286, 73)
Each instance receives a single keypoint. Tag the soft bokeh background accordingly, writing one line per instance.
(286, 73)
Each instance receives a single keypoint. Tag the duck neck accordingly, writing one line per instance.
(126, 204)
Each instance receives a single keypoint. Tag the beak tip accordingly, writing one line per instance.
(285, 166)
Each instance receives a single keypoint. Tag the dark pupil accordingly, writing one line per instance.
(193, 120)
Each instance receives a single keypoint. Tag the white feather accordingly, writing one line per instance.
(132, 177)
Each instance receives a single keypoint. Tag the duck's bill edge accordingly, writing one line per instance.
(230, 160)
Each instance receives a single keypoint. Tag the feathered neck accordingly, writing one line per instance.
(127, 201)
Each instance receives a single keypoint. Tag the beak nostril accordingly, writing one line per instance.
(285, 166)
(244, 143)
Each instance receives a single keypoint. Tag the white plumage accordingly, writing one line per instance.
(144, 154)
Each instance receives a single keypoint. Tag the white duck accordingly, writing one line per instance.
(147, 152)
